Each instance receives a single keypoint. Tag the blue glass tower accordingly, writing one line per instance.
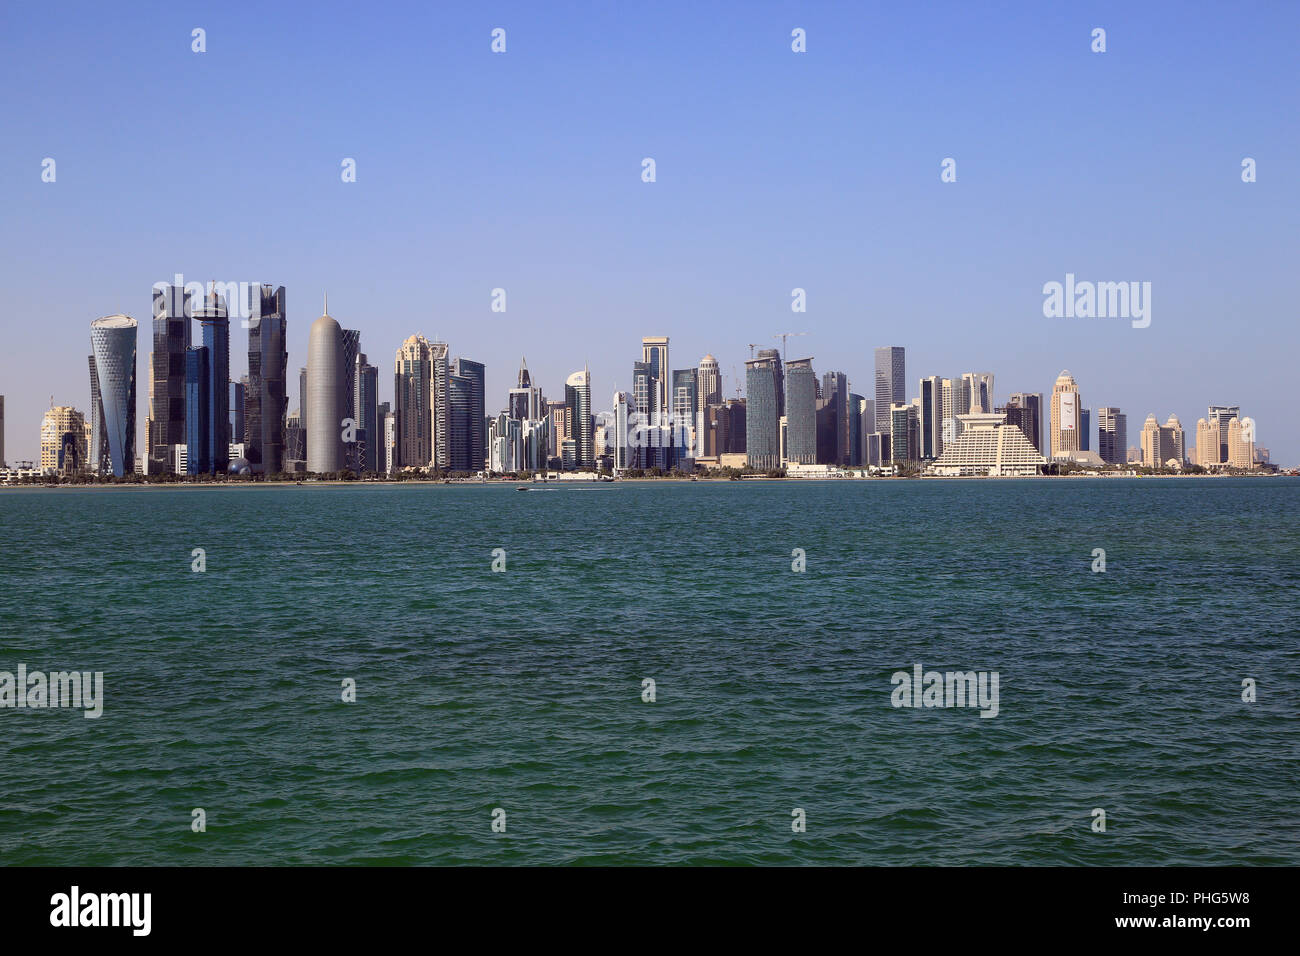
(197, 409)
(215, 322)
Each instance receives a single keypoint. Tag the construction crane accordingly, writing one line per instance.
(752, 346)
(783, 336)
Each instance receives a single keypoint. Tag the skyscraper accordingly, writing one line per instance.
(412, 411)
(214, 323)
(266, 401)
(762, 413)
(1241, 444)
(2, 431)
(709, 383)
(891, 389)
(1085, 429)
(325, 396)
(351, 339)
(171, 337)
(930, 418)
(439, 413)
(1112, 435)
(979, 392)
(238, 429)
(63, 440)
(113, 341)
(577, 399)
(1065, 416)
(620, 426)
(801, 412)
(476, 427)
(1220, 416)
(97, 459)
(198, 409)
(460, 398)
(525, 399)
(1029, 417)
(365, 410)
(835, 393)
(904, 432)
(654, 352)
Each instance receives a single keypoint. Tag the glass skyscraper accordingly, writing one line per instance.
(171, 338)
(801, 412)
(215, 323)
(198, 407)
(762, 414)
(476, 428)
(266, 402)
(112, 342)
(891, 389)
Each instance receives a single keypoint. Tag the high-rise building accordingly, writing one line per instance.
(774, 356)
(1241, 444)
(352, 450)
(1220, 416)
(835, 393)
(619, 430)
(113, 342)
(214, 323)
(931, 418)
(326, 396)
(1065, 416)
(654, 352)
(800, 412)
(979, 392)
(460, 399)
(171, 337)
(1177, 439)
(904, 432)
(365, 410)
(1207, 444)
(891, 389)
(439, 411)
(266, 396)
(390, 439)
(238, 432)
(2, 430)
(1085, 429)
(1162, 444)
(709, 383)
(198, 409)
(63, 441)
(1112, 435)
(577, 399)
(475, 429)
(763, 406)
(1029, 416)
(525, 400)
(412, 396)
(643, 391)
(295, 442)
(97, 460)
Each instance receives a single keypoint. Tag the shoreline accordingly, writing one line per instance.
(529, 483)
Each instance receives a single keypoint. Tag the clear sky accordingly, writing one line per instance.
(775, 170)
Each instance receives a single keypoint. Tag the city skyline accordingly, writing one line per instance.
(1071, 427)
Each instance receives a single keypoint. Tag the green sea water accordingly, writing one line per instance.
(523, 690)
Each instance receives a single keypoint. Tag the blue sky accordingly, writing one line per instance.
(775, 170)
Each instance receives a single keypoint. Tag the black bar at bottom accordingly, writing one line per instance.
(370, 904)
